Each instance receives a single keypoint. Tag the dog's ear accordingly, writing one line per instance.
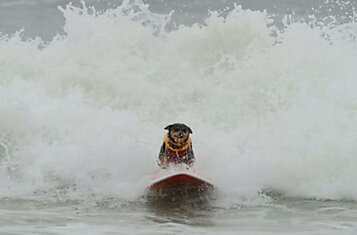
(189, 130)
(168, 127)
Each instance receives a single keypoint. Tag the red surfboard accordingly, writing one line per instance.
(179, 181)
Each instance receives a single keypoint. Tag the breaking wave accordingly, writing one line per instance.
(82, 116)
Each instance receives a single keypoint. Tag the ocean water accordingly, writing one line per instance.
(268, 88)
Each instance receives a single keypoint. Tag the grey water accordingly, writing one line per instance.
(41, 18)
(279, 217)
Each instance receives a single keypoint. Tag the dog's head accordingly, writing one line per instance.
(178, 133)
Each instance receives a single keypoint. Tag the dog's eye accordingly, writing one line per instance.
(176, 130)
(184, 131)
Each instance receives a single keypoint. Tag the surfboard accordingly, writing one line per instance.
(179, 181)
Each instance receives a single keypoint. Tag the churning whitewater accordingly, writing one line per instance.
(82, 116)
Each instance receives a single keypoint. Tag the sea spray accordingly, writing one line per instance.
(270, 109)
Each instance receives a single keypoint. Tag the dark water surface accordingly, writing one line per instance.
(282, 217)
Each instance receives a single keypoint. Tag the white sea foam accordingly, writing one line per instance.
(83, 117)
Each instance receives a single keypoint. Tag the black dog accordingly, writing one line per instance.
(177, 146)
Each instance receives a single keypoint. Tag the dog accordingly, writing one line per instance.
(177, 146)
